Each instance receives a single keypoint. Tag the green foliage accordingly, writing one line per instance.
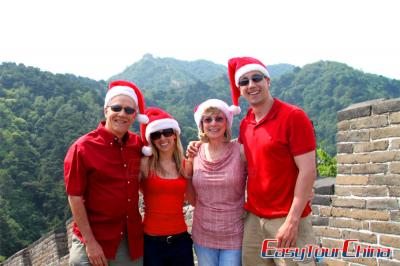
(41, 114)
(326, 164)
(324, 88)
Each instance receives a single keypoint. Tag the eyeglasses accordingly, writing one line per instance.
(166, 133)
(209, 119)
(118, 108)
(255, 78)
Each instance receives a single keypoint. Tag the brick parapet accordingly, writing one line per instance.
(365, 203)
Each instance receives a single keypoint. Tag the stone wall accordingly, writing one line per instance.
(361, 203)
(365, 203)
(51, 249)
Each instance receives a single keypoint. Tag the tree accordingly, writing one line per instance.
(326, 164)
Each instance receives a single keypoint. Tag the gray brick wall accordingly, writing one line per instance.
(366, 198)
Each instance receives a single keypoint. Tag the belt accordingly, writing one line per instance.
(169, 239)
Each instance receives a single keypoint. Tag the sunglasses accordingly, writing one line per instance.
(118, 108)
(255, 78)
(166, 133)
(209, 119)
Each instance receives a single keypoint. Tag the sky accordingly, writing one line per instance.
(98, 38)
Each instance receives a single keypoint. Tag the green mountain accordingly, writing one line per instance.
(325, 87)
(156, 73)
(178, 86)
(152, 73)
(41, 114)
(321, 89)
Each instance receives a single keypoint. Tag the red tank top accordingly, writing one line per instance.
(163, 205)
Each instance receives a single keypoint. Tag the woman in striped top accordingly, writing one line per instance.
(218, 180)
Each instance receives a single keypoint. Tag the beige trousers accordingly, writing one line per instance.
(257, 229)
(78, 256)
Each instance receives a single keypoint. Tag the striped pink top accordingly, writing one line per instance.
(220, 188)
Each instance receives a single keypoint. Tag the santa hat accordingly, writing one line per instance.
(158, 120)
(237, 67)
(229, 111)
(122, 87)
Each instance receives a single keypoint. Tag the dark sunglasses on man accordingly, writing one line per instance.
(118, 108)
(255, 78)
(166, 133)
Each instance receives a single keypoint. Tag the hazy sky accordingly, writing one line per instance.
(97, 39)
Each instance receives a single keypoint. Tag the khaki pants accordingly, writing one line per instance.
(257, 229)
(78, 256)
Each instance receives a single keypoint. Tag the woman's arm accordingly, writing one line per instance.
(144, 167)
(190, 194)
(188, 167)
(144, 170)
(242, 155)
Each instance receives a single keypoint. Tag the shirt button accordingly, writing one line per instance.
(127, 217)
(124, 164)
(129, 200)
(122, 233)
(122, 149)
(129, 182)
(111, 143)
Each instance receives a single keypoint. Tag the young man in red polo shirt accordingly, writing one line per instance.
(101, 173)
(279, 145)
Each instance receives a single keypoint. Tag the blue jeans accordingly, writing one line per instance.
(218, 257)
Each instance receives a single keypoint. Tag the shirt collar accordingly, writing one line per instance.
(250, 117)
(108, 136)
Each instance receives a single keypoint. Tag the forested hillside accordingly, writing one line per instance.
(41, 114)
(321, 89)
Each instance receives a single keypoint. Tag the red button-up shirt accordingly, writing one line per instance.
(106, 174)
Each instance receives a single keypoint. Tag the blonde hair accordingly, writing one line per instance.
(214, 111)
(177, 155)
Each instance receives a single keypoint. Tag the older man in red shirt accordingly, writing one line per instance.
(101, 173)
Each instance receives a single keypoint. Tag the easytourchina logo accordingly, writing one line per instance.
(349, 249)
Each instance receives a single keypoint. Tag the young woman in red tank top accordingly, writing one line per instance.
(166, 240)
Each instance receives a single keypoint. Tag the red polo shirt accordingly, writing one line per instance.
(270, 146)
(106, 174)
